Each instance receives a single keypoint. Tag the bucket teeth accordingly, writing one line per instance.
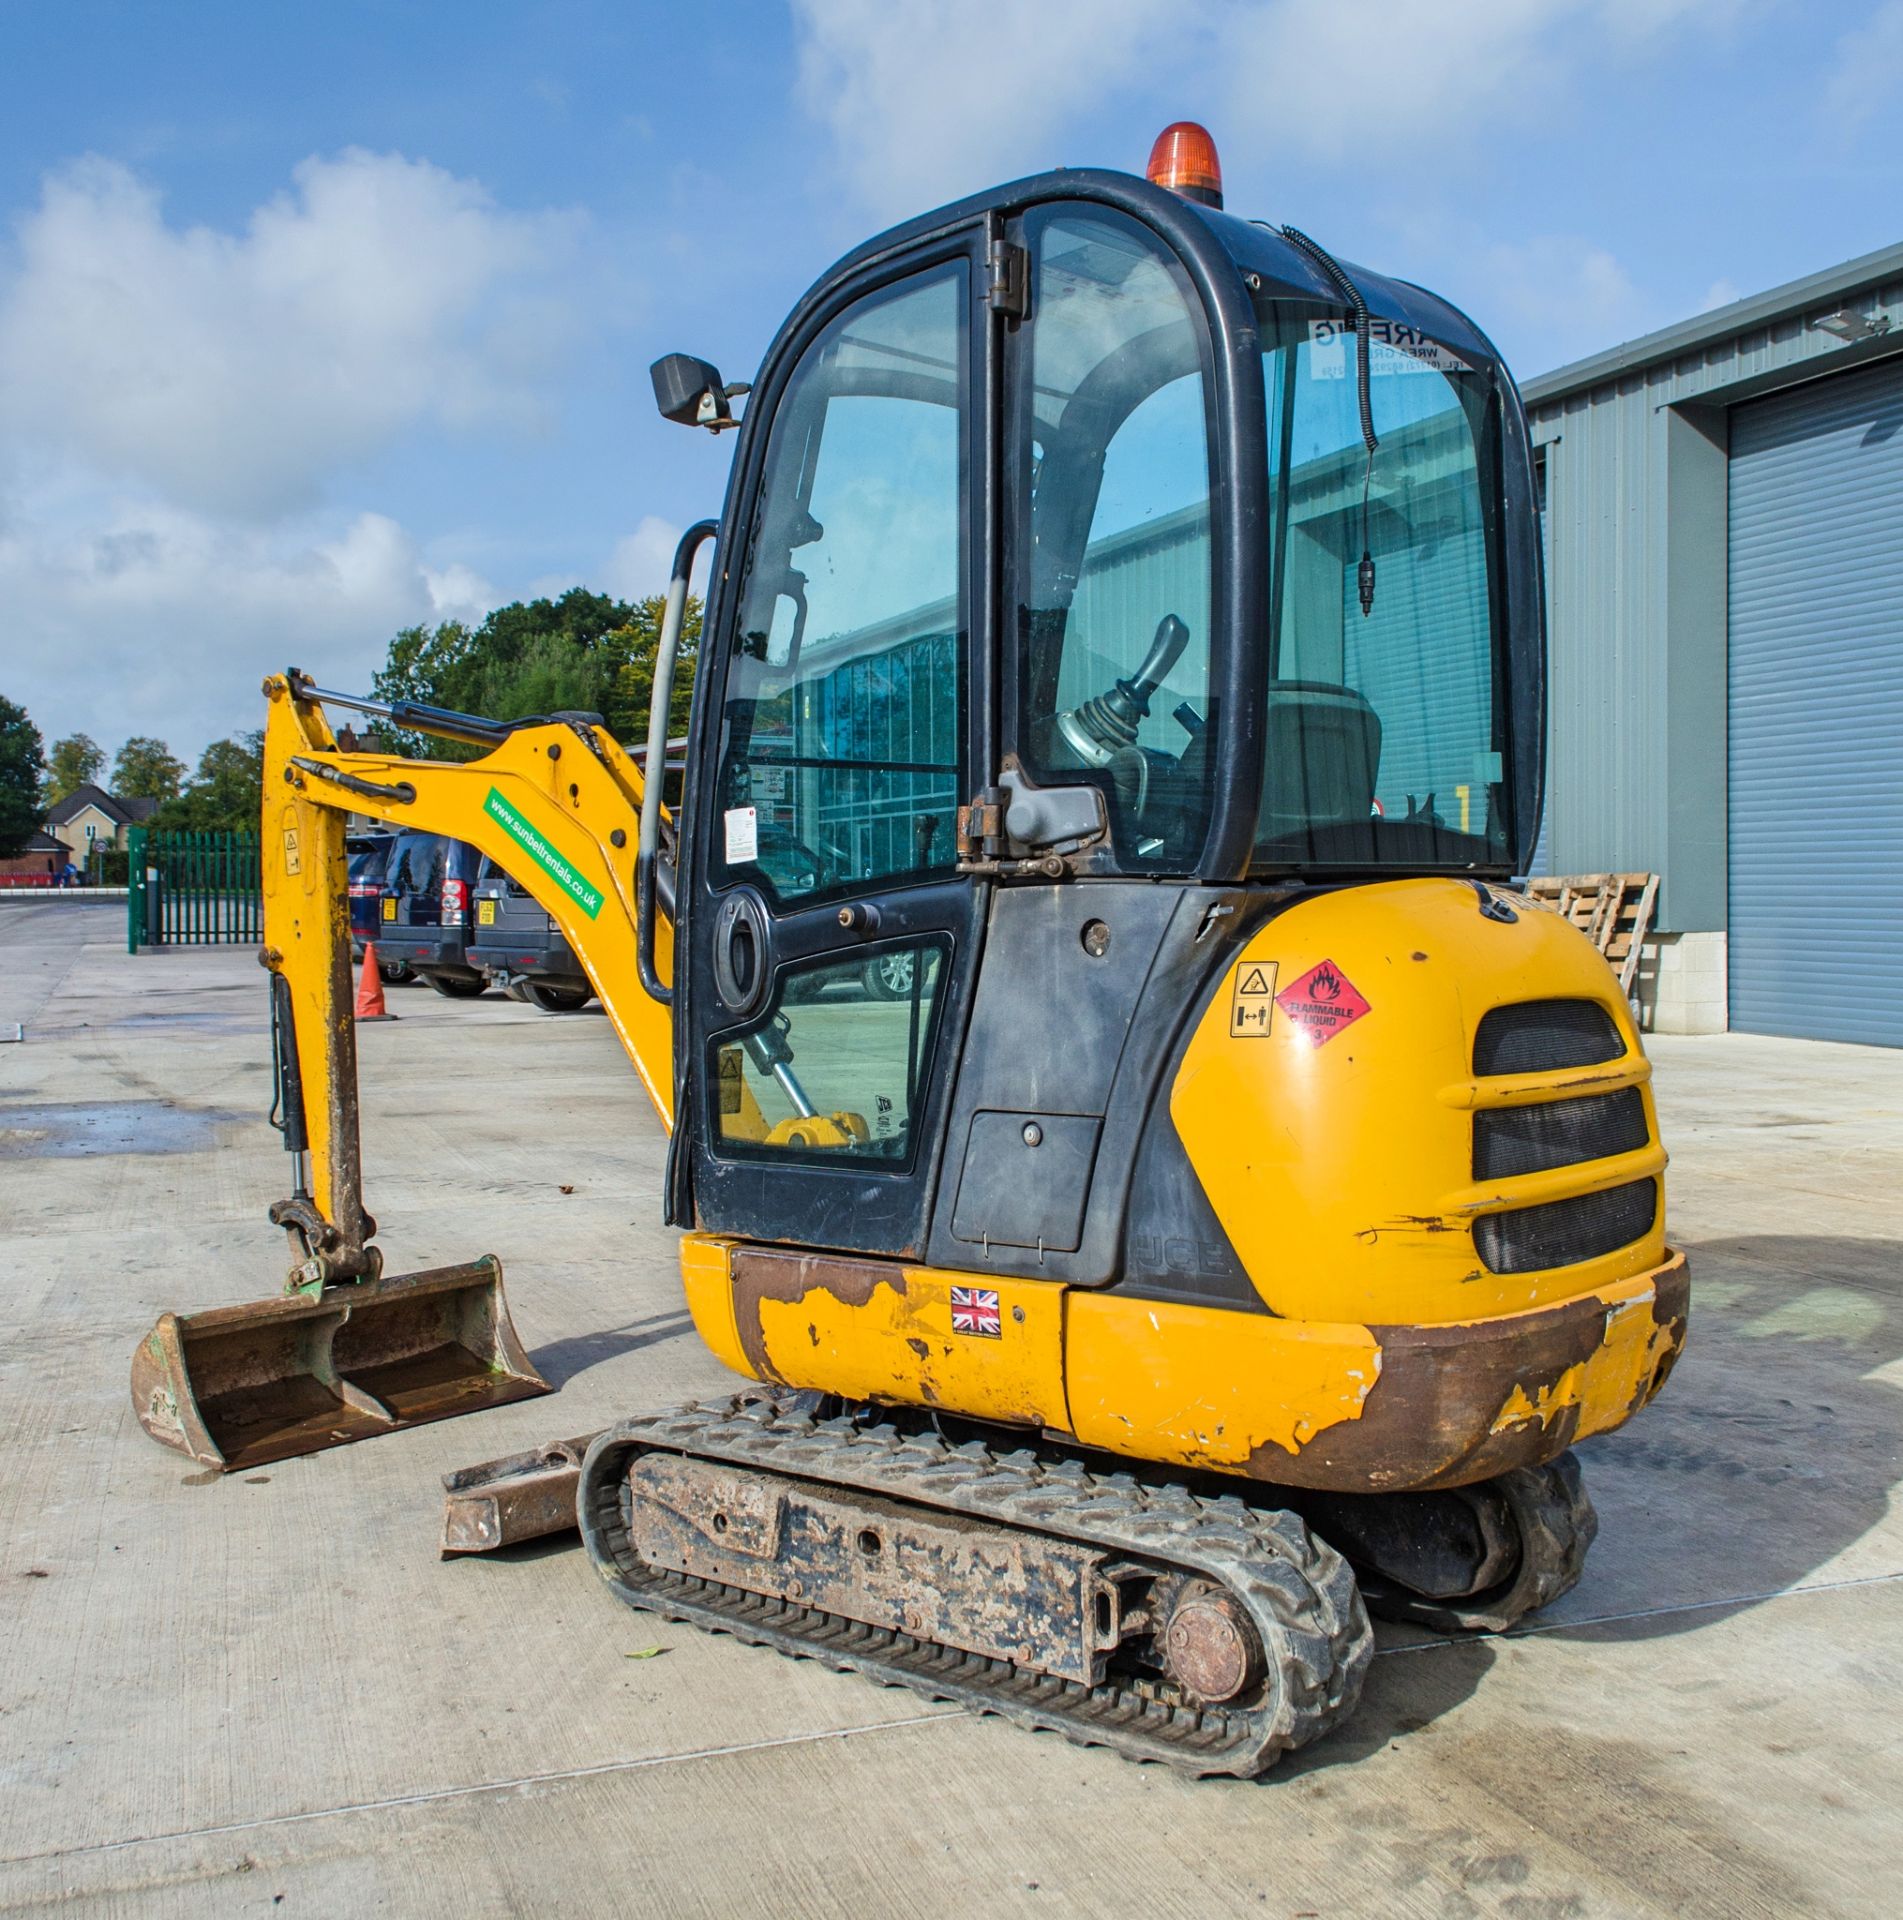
(239, 1386)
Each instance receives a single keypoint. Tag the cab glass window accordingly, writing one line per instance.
(842, 720)
(1386, 739)
(836, 1069)
(1114, 593)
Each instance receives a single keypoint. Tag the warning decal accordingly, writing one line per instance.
(730, 1082)
(1321, 1003)
(1252, 1000)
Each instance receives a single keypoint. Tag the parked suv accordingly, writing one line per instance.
(423, 917)
(369, 855)
(518, 945)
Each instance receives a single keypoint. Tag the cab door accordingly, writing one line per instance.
(831, 941)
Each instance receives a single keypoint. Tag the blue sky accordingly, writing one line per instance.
(317, 321)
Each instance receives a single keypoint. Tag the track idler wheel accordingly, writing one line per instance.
(1473, 1559)
(1209, 1647)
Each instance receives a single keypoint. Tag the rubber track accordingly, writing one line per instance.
(1557, 1525)
(1300, 1593)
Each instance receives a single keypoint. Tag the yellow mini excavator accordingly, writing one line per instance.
(1171, 1193)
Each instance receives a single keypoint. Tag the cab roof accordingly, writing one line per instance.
(1246, 247)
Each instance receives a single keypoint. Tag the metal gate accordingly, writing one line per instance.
(1816, 710)
(192, 890)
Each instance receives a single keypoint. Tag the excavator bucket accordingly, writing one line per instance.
(239, 1386)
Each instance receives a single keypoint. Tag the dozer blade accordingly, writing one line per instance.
(522, 1496)
(239, 1386)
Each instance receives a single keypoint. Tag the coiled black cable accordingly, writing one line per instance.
(1339, 277)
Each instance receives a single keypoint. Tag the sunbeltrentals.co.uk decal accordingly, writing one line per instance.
(1321, 1003)
(524, 834)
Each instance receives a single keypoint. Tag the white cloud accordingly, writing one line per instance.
(180, 407)
(233, 372)
(1382, 77)
(1571, 295)
(926, 99)
(150, 619)
(1867, 74)
(642, 560)
(457, 592)
(1721, 293)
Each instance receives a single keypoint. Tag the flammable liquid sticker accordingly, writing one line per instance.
(523, 833)
(1252, 1000)
(1322, 1003)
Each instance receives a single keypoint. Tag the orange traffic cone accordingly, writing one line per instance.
(370, 987)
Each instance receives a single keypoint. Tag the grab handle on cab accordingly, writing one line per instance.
(654, 773)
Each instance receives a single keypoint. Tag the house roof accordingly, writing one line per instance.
(120, 812)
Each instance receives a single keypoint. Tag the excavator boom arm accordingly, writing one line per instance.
(556, 804)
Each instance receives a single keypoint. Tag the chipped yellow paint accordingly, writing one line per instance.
(899, 1344)
(1204, 1386)
(1610, 1386)
(1520, 1411)
(707, 1280)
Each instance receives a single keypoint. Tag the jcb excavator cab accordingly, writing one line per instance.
(1101, 574)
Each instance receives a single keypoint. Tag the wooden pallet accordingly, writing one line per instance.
(1613, 910)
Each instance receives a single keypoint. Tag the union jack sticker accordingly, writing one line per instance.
(975, 1310)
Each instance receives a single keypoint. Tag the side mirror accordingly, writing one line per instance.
(691, 392)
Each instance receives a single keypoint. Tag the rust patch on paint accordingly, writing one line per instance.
(767, 1273)
(1458, 1404)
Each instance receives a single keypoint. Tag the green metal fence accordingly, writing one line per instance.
(193, 890)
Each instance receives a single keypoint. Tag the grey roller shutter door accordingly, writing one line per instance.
(1816, 710)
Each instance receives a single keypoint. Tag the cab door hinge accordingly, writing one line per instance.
(981, 826)
(1008, 285)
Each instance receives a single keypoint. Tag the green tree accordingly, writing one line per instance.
(637, 643)
(71, 764)
(225, 793)
(146, 770)
(22, 773)
(584, 652)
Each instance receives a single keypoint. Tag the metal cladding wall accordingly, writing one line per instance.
(1636, 445)
(1816, 710)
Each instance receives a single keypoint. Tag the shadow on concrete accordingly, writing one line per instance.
(523, 1552)
(561, 1360)
(1772, 1449)
(1408, 1687)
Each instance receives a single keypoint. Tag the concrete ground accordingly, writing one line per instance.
(265, 1694)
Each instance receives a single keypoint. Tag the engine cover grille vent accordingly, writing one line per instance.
(1561, 1133)
(1537, 1036)
(1565, 1232)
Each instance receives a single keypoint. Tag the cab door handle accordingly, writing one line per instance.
(742, 952)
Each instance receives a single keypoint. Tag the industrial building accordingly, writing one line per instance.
(1724, 542)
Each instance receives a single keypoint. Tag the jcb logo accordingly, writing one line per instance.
(1178, 1253)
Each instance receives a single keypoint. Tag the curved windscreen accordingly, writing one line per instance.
(1386, 735)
